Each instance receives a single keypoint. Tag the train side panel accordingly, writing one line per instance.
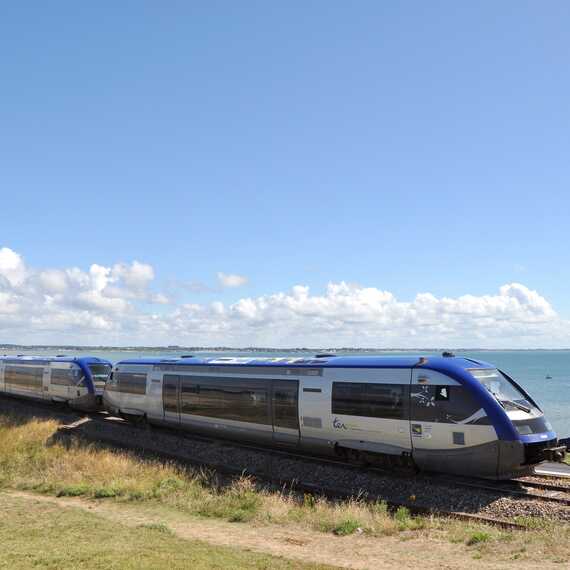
(367, 409)
(26, 379)
(226, 404)
(62, 383)
(126, 390)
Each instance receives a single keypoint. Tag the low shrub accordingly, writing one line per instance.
(478, 538)
(346, 527)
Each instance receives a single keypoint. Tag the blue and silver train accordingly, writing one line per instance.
(436, 413)
(78, 382)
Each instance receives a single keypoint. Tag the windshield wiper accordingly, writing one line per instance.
(516, 405)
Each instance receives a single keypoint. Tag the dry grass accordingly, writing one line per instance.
(28, 461)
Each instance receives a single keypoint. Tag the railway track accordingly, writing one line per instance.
(516, 488)
(81, 425)
(543, 485)
(551, 476)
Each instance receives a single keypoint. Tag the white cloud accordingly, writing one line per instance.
(231, 280)
(12, 266)
(72, 304)
(135, 276)
(117, 305)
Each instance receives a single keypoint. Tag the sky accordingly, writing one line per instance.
(302, 173)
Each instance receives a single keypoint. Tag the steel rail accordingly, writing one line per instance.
(506, 488)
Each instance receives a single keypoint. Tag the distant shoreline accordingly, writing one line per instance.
(175, 348)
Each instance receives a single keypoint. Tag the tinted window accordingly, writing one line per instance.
(445, 404)
(131, 383)
(239, 399)
(369, 400)
(63, 377)
(285, 403)
(170, 392)
(99, 372)
(24, 377)
(189, 402)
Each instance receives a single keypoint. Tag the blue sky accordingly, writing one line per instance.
(406, 146)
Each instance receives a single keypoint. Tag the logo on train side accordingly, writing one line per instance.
(337, 424)
(417, 430)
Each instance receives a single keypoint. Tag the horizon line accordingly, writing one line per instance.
(222, 348)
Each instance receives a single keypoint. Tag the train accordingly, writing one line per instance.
(75, 381)
(442, 414)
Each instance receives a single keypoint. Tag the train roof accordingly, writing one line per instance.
(441, 363)
(19, 358)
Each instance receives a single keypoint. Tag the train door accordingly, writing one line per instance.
(57, 383)
(433, 398)
(285, 411)
(171, 397)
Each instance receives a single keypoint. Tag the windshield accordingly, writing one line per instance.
(508, 395)
(100, 372)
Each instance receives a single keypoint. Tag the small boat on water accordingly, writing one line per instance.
(548, 377)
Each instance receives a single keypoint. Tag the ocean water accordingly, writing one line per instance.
(529, 368)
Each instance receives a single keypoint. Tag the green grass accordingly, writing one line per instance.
(160, 527)
(478, 537)
(36, 535)
(534, 523)
(346, 527)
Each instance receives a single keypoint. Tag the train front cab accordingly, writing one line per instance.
(78, 382)
(534, 431)
(477, 421)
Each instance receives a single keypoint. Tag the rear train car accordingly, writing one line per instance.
(78, 381)
(443, 414)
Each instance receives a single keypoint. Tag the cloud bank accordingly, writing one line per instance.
(118, 305)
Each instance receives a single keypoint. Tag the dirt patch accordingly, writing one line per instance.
(355, 551)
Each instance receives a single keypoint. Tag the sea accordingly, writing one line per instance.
(545, 374)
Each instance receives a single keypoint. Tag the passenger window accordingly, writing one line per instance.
(28, 378)
(285, 404)
(170, 392)
(62, 377)
(238, 399)
(131, 383)
(369, 400)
